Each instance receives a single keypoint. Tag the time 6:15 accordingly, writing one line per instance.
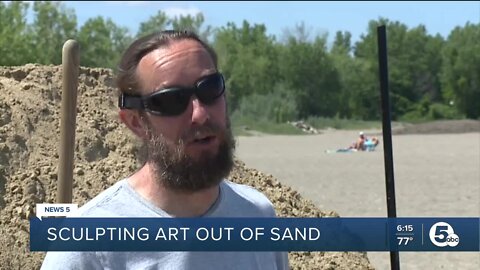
(405, 228)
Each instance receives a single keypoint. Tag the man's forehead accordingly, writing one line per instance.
(163, 66)
(174, 49)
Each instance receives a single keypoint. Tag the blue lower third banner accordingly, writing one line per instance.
(254, 234)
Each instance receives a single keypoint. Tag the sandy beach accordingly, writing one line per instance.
(436, 175)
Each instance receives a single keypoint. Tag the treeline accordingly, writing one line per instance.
(271, 78)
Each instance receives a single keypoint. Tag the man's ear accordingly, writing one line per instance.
(133, 120)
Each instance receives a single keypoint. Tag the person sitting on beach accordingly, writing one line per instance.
(360, 144)
(370, 144)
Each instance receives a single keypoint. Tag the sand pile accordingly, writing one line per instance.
(105, 152)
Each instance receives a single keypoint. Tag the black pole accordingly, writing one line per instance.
(387, 134)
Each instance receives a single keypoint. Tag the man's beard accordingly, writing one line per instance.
(176, 170)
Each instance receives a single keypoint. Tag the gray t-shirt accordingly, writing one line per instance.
(121, 200)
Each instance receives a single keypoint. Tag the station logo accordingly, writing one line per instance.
(442, 235)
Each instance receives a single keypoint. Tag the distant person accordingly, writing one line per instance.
(375, 141)
(370, 144)
(172, 97)
(360, 144)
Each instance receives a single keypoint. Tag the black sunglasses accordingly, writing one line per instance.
(174, 101)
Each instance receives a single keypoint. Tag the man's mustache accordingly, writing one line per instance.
(207, 129)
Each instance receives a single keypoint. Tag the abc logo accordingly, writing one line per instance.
(442, 235)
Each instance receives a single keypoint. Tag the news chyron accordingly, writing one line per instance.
(60, 227)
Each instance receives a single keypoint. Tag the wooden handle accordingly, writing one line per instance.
(70, 66)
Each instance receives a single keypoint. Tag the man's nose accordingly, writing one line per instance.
(199, 113)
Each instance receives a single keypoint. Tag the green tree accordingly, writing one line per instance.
(299, 32)
(364, 98)
(399, 83)
(413, 64)
(348, 70)
(342, 45)
(277, 106)
(247, 57)
(424, 62)
(461, 69)
(14, 47)
(157, 22)
(192, 23)
(307, 69)
(102, 42)
(53, 25)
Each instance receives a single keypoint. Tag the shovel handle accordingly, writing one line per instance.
(70, 71)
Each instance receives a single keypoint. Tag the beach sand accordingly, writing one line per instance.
(436, 175)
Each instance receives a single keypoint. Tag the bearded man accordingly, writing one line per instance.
(172, 97)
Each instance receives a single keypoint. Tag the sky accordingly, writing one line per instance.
(319, 17)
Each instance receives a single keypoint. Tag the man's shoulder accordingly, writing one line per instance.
(247, 192)
(247, 199)
(111, 202)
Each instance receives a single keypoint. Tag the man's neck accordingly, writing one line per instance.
(175, 203)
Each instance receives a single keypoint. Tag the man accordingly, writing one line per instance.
(173, 99)
(360, 144)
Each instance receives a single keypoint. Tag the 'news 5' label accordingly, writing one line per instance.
(56, 210)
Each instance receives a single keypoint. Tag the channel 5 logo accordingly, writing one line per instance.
(442, 235)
